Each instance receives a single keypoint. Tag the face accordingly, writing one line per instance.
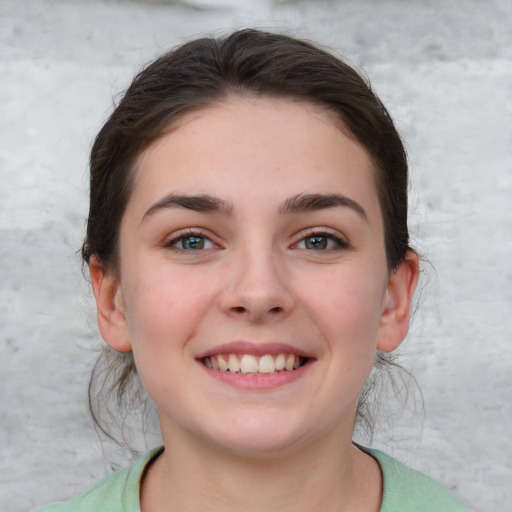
(253, 285)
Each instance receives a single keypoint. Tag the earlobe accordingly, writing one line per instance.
(110, 306)
(396, 313)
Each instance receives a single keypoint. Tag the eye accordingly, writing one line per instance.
(191, 242)
(321, 242)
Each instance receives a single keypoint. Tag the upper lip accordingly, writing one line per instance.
(256, 349)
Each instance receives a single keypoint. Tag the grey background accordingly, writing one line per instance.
(444, 69)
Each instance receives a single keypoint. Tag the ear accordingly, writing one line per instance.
(396, 313)
(110, 306)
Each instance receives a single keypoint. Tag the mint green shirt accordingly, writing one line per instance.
(405, 490)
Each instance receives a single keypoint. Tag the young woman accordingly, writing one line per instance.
(248, 249)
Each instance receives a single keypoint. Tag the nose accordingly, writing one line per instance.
(257, 289)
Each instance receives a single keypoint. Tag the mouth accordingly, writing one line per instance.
(249, 364)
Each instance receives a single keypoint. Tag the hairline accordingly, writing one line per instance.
(233, 94)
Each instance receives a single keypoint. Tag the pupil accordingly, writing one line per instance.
(193, 242)
(316, 242)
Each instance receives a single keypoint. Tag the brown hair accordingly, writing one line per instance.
(204, 72)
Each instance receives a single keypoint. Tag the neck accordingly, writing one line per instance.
(333, 476)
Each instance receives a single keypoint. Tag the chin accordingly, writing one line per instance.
(258, 437)
(261, 446)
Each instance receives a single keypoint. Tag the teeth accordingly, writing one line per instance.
(250, 364)
(280, 362)
(234, 363)
(223, 364)
(267, 364)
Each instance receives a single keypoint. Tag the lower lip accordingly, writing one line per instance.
(260, 382)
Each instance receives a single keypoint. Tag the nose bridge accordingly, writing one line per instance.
(257, 287)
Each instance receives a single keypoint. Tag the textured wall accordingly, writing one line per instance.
(445, 71)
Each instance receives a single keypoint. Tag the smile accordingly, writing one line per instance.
(249, 364)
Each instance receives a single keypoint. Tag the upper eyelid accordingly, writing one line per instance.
(188, 232)
(320, 231)
(336, 236)
(299, 236)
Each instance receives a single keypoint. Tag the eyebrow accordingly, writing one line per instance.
(304, 203)
(301, 203)
(199, 203)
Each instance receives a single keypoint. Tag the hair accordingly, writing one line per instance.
(207, 71)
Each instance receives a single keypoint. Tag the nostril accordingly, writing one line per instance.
(277, 309)
(239, 309)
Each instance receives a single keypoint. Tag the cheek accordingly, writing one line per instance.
(347, 309)
(164, 307)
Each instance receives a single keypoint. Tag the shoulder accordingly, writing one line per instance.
(117, 493)
(407, 490)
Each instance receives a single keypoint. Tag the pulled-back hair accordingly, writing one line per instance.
(205, 72)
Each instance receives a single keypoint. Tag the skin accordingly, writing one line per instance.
(271, 270)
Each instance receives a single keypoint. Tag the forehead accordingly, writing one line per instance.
(253, 146)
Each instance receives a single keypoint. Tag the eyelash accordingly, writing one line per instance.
(172, 243)
(329, 237)
(341, 243)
